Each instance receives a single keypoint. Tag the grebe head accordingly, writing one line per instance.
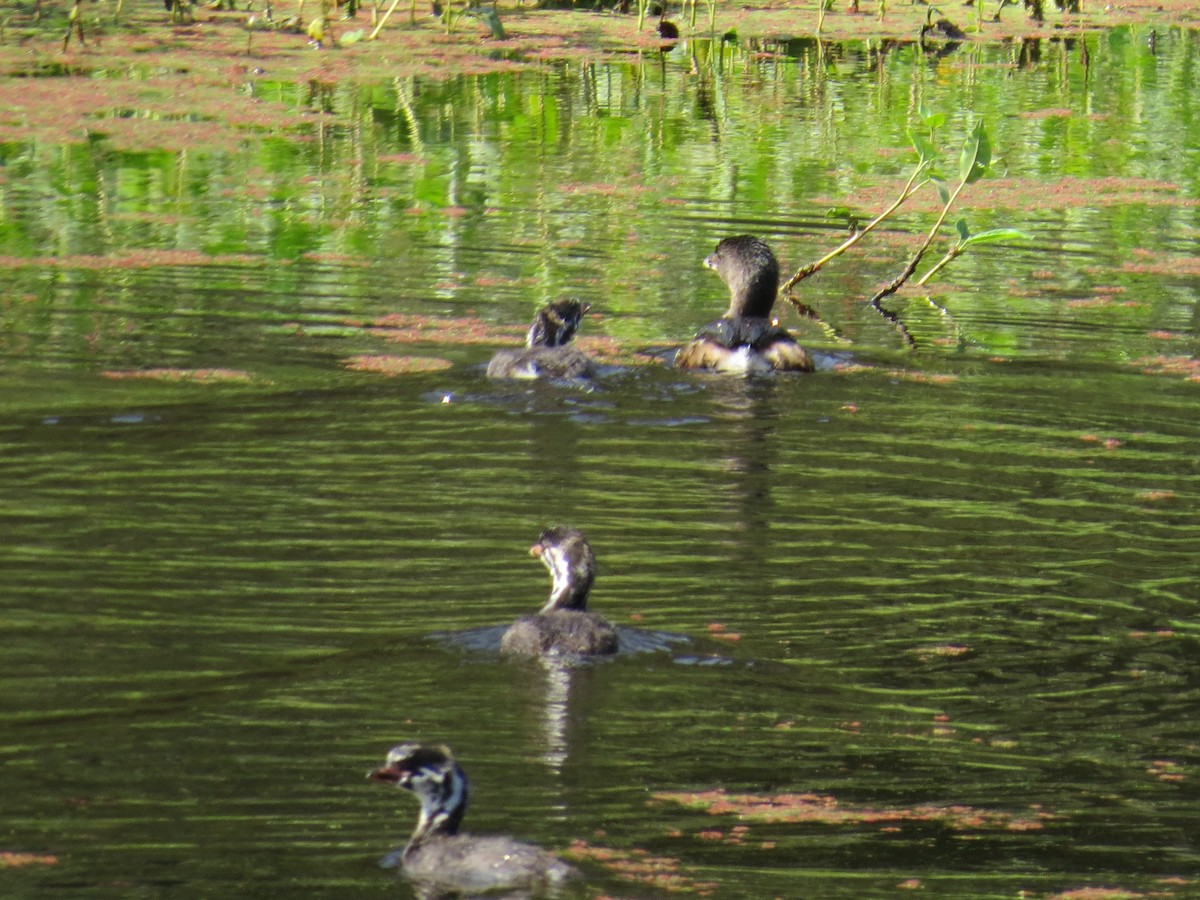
(555, 324)
(431, 772)
(568, 556)
(750, 270)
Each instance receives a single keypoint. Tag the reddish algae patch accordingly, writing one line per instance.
(12, 860)
(145, 259)
(915, 376)
(1155, 496)
(943, 651)
(196, 376)
(396, 365)
(1015, 194)
(826, 810)
(410, 328)
(1183, 366)
(662, 872)
(217, 48)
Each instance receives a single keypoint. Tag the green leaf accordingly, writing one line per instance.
(931, 120)
(350, 37)
(994, 235)
(943, 191)
(922, 145)
(976, 155)
(964, 233)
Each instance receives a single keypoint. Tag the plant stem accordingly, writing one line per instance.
(910, 188)
(383, 21)
(952, 254)
(894, 285)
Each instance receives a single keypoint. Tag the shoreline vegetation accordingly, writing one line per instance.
(294, 40)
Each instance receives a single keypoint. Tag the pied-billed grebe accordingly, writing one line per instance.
(548, 352)
(746, 338)
(563, 625)
(439, 859)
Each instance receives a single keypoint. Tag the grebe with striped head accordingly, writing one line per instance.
(439, 858)
(548, 351)
(563, 625)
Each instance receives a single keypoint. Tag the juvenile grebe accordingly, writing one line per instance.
(548, 351)
(437, 857)
(563, 625)
(745, 339)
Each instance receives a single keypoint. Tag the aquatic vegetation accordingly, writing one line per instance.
(1187, 367)
(662, 872)
(975, 160)
(912, 375)
(1109, 443)
(943, 651)
(395, 365)
(407, 328)
(1166, 770)
(824, 809)
(1157, 497)
(196, 376)
(10, 859)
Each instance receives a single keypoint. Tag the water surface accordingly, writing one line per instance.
(957, 576)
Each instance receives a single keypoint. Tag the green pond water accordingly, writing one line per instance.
(964, 576)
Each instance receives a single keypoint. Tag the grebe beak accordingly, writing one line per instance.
(389, 774)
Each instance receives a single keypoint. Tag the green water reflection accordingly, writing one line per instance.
(964, 576)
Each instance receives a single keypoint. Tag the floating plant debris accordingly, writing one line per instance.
(407, 328)
(925, 654)
(824, 809)
(12, 860)
(1185, 366)
(145, 259)
(1155, 496)
(662, 872)
(1166, 770)
(198, 376)
(898, 374)
(396, 365)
